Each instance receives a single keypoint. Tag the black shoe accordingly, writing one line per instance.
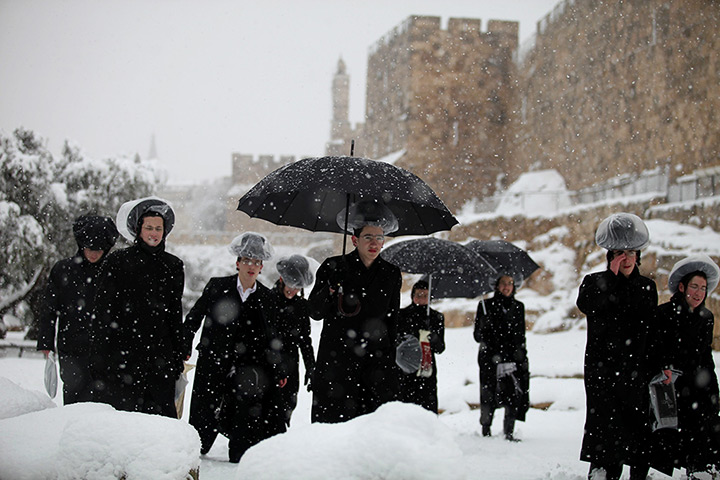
(511, 438)
(486, 431)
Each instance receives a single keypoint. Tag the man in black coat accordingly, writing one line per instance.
(680, 346)
(293, 326)
(236, 387)
(136, 336)
(69, 300)
(502, 357)
(420, 387)
(358, 297)
(618, 303)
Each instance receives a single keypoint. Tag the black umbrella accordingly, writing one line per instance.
(505, 257)
(311, 192)
(453, 270)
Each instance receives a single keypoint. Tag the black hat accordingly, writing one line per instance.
(95, 232)
(131, 213)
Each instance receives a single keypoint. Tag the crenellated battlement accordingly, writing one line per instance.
(421, 28)
(249, 169)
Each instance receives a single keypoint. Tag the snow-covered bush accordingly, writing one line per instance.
(40, 197)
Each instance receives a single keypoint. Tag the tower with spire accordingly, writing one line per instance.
(152, 154)
(341, 132)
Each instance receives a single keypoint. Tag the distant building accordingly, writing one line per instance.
(444, 98)
(619, 98)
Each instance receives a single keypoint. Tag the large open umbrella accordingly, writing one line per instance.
(311, 192)
(505, 257)
(454, 271)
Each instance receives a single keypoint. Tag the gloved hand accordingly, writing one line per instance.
(408, 354)
(505, 368)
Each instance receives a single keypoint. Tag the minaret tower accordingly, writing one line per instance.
(340, 130)
(152, 153)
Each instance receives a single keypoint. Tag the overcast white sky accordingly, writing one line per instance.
(208, 78)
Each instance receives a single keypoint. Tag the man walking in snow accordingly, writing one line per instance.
(136, 334)
(69, 300)
(236, 388)
(358, 297)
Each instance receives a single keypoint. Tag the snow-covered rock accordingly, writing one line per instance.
(15, 400)
(396, 441)
(94, 441)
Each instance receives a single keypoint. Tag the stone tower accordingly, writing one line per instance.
(444, 97)
(340, 129)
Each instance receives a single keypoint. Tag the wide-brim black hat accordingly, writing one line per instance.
(95, 232)
(131, 212)
(694, 263)
(622, 231)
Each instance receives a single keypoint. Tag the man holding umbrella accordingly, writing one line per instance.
(358, 297)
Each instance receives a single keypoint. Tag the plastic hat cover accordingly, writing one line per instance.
(368, 212)
(130, 213)
(295, 271)
(251, 245)
(622, 231)
(691, 264)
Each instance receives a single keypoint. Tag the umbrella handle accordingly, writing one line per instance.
(340, 307)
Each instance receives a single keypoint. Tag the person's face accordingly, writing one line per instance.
(506, 286)
(628, 260)
(420, 297)
(369, 242)
(695, 291)
(290, 292)
(152, 230)
(92, 256)
(248, 270)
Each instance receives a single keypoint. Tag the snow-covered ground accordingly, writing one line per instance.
(397, 442)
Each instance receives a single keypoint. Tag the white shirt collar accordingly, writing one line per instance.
(244, 294)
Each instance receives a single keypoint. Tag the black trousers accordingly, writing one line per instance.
(209, 386)
(76, 378)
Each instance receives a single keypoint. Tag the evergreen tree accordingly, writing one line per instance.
(41, 196)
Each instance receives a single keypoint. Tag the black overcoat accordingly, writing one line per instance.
(293, 328)
(618, 311)
(69, 300)
(413, 388)
(500, 331)
(355, 371)
(136, 336)
(682, 340)
(252, 407)
(220, 308)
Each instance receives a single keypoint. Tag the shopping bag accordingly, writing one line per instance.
(663, 401)
(180, 385)
(51, 375)
(426, 366)
(408, 354)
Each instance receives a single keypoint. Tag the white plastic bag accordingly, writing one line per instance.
(51, 375)
(663, 402)
(180, 385)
